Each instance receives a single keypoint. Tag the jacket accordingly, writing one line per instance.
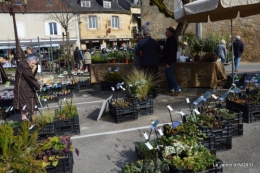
(77, 55)
(148, 50)
(87, 58)
(221, 51)
(25, 83)
(170, 51)
(238, 47)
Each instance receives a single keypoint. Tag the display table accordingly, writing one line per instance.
(199, 74)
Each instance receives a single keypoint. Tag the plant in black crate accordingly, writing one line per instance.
(140, 84)
(18, 153)
(110, 79)
(66, 119)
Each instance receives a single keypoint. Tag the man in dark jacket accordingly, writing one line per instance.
(77, 57)
(238, 47)
(170, 57)
(148, 51)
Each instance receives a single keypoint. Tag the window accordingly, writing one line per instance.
(53, 28)
(106, 4)
(92, 22)
(49, 3)
(114, 21)
(85, 4)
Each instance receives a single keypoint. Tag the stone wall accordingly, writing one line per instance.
(248, 28)
(158, 22)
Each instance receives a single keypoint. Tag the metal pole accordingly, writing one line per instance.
(20, 50)
(232, 51)
(51, 55)
(40, 54)
(68, 61)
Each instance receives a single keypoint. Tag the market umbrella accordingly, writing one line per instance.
(215, 10)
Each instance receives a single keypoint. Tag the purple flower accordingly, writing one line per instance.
(77, 151)
(147, 23)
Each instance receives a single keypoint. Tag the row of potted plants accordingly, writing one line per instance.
(23, 152)
(120, 56)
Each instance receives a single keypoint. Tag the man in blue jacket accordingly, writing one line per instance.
(238, 47)
(170, 57)
(148, 49)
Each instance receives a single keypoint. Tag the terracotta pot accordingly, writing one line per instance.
(127, 61)
(113, 61)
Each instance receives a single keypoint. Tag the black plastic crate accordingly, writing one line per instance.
(251, 112)
(215, 168)
(218, 133)
(209, 142)
(240, 81)
(126, 117)
(238, 130)
(115, 110)
(144, 107)
(223, 144)
(238, 119)
(67, 127)
(65, 165)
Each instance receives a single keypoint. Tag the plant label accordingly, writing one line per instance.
(113, 89)
(170, 108)
(188, 100)
(206, 95)
(198, 100)
(155, 123)
(7, 110)
(223, 96)
(11, 108)
(24, 107)
(45, 100)
(160, 131)
(182, 114)
(149, 146)
(35, 106)
(145, 136)
(196, 111)
(176, 124)
(214, 96)
(64, 99)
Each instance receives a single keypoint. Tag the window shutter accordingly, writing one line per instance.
(109, 22)
(59, 29)
(86, 22)
(20, 29)
(99, 22)
(46, 29)
(120, 22)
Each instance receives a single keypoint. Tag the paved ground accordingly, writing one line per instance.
(105, 146)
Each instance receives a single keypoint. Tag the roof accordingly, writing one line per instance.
(97, 6)
(43, 6)
(127, 4)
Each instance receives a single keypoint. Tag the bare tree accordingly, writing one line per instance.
(66, 14)
(162, 7)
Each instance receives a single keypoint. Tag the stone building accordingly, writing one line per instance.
(248, 28)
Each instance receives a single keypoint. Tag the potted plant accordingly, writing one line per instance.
(196, 48)
(119, 55)
(110, 79)
(127, 56)
(95, 59)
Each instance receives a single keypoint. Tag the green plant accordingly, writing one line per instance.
(67, 112)
(113, 77)
(111, 55)
(196, 45)
(119, 55)
(209, 45)
(195, 159)
(127, 55)
(45, 118)
(121, 103)
(95, 58)
(141, 83)
(18, 153)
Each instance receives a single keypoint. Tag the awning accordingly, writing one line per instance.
(34, 42)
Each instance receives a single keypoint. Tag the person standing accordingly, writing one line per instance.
(238, 47)
(86, 60)
(77, 57)
(148, 50)
(25, 85)
(30, 52)
(136, 61)
(221, 51)
(170, 57)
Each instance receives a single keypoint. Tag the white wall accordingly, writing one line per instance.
(33, 27)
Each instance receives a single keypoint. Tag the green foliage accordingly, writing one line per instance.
(196, 159)
(119, 55)
(47, 117)
(113, 77)
(95, 58)
(127, 54)
(141, 149)
(196, 45)
(18, 153)
(146, 166)
(68, 111)
(111, 55)
(141, 83)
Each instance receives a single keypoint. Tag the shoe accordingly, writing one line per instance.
(176, 93)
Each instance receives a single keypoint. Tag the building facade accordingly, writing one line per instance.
(105, 23)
